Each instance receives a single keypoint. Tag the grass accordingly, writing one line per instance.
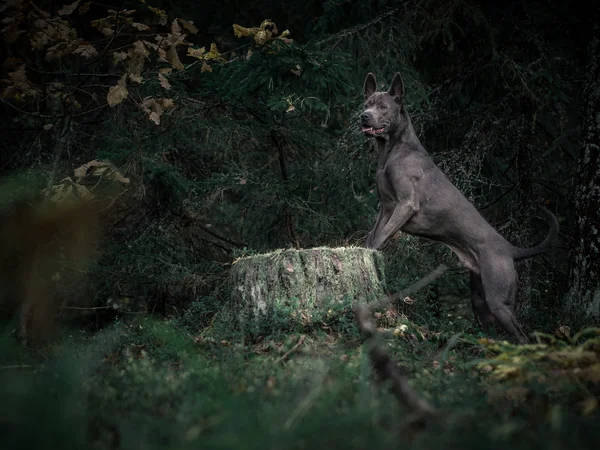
(152, 384)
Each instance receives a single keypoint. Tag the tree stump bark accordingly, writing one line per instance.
(287, 288)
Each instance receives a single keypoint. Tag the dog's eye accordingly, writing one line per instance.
(383, 106)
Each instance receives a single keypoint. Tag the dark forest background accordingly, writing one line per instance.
(198, 141)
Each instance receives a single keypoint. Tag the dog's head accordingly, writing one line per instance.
(383, 113)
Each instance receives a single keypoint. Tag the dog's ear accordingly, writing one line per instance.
(370, 85)
(397, 87)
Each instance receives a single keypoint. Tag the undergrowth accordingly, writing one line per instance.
(160, 384)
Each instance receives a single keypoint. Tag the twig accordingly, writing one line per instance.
(292, 350)
(388, 370)
(357, 29)
(427, 279)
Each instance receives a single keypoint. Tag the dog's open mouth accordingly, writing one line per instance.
(371, 130)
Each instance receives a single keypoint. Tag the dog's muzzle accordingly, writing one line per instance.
(366, 127)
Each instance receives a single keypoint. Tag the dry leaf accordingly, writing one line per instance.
(135, 66)
(99, 168)
(151, 45)
(120, 56)
(155, 117)
(85, 7)
(205, 67)
(165, 70)
(118, 93)
(162, 15)
(173, 58)
(164, 83)
(213, 53)
(176, 33)
(48, 126)
(86, 50)
(189, 25)
(108, 32)
(140, 26)
(196, 52)
(162, 55)
(140, 48)
(240, 31)
(167, 103)
(67, 10)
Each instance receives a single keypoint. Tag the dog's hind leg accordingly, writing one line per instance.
(499, 279)
(480, 308)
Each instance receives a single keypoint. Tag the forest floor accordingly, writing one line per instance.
(150, 384)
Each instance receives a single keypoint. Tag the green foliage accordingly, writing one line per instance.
(151, 384)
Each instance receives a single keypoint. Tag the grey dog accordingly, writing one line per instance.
(417, 198)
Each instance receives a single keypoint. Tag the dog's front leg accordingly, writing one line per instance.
(401, 214)
(381, 217)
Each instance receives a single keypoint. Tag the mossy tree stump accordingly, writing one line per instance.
(287, 288)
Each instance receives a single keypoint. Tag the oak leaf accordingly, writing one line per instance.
(67, 10)
(118, 93)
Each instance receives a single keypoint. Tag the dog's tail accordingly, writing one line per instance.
(523, 253)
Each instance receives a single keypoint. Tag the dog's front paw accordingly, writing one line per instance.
(371, 243)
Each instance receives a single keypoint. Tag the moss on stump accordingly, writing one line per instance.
(287, 288)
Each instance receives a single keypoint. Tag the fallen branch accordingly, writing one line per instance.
(292, 350)
(388, 370)
(427, 279)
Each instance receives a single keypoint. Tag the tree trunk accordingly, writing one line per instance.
(583, 300)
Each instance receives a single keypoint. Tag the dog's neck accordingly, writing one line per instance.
(401, 135)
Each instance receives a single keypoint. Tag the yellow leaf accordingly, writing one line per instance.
(118, 93)
(261, 37)
(140, 26)
(189, 25)
(173, 58)
(67, 10)
(240, 31)
(213, 53)
(164, 83)
(205, 67)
